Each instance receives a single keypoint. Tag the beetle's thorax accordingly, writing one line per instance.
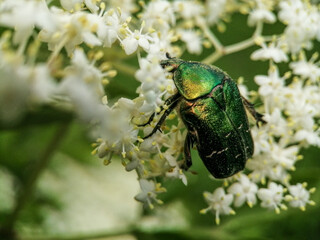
(194, 80)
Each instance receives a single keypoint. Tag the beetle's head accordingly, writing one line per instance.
(171, 64)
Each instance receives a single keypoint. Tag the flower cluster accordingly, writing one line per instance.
(87, 38)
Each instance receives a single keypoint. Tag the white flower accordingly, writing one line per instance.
(274, 163)
(119, 133)
(260, 167)
(83, 85)
(188, 9)
(300, 196)
(154, 84)
(272, 197)
(176, 172)
(192, 40)
(218, 202)
(92, 5)
(306, 69)
(42, 85)
(174, 142)
(271, 88)
(22, 85)
(128, 7)
(302, 21)
(284, 156)
(261, 140)
(71, 30)
(302, 105)
(290, 9)
(149, 192)
(109, 30)
(258, 15)
(244, 191)
(269, 84)
(135, 39)
(308, 137)
(158, 47)
(272, 52)
(86, 71)
(70, 4)
(23, 16)
(159, 15)
(215, 9)
(277, 124)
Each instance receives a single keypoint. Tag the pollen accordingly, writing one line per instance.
(102, 6)
(106, 162)
(105, 81)
(303, 208)
(312, 190)
(94, 152)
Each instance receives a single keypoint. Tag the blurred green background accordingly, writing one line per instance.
(66, 193)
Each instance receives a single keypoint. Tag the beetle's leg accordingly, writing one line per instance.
(187, 153)
(174, 103)
(150, 119)
(168, 102)
(250, 107)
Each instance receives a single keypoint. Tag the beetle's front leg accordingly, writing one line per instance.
(187, 153)
(168, 102)
(164, 116)
(250, 107)
(150, 119)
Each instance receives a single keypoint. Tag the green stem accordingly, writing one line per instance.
(25, 194)
(258, 30)
(212, 58)
(221, 50)
(213, 39)
(239, 46)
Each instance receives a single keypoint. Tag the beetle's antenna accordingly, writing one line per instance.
(168, 55)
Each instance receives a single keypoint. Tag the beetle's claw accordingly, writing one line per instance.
(168, 55)
(260, 120)
(143, 125)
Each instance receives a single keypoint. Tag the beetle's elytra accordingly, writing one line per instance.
(213, 112)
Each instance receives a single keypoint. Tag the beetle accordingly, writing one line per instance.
(213, 111)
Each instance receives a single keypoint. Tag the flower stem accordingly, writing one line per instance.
(7, 230)
(239, 46)
(212, 58)
(213, 39)
(222, 50)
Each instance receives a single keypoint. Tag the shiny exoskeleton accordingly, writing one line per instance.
(213, 111)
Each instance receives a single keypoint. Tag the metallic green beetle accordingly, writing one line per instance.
(212, 109)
